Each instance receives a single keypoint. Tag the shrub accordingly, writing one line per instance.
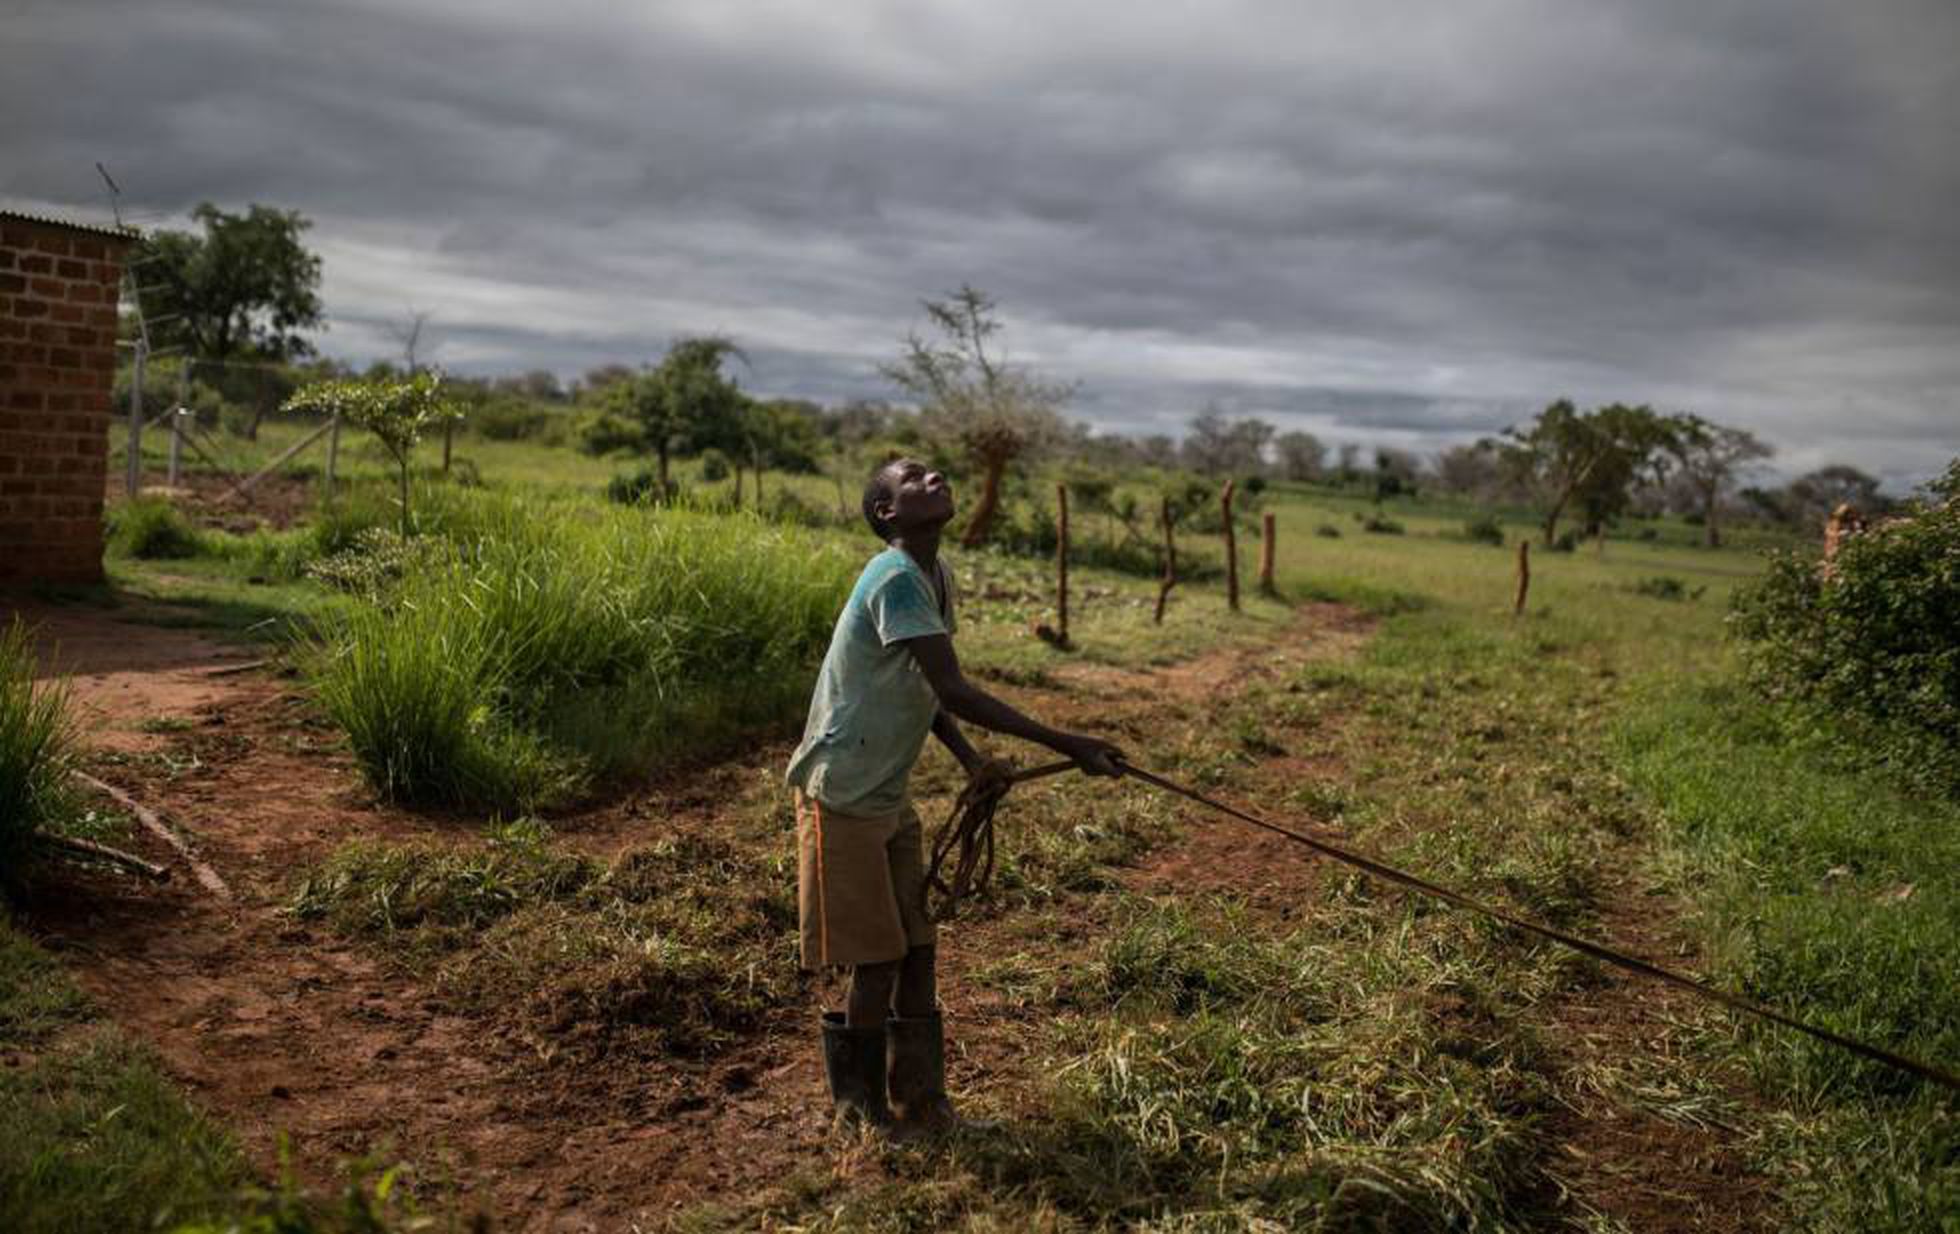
(634, 488)
(1484, 529)
(151, 528)
(1875, 644)
(714, 465)
(1382, 526)
(511, 419)
(1327, 531)
(1568, 541)
(35, 744)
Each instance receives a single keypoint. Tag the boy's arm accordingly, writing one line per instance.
(948, 731)
(966, 701)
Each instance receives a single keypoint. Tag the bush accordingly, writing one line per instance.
(511, 419)
(1382, 526)
(606, 433)
(35, 744)
(1484, 529)
(1568, 541)
(1875, 643)
(552, 643)
(1327, 531)
(151, 528)
(714, 466)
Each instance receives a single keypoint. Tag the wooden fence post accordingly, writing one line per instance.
(1170, 564)
(1231, 546)
(1266, 585)
(1524, 576)
(1061, 563)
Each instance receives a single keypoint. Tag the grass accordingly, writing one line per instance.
(552, 642)
(672, 948)
(1833, 894)
(36, 740)
(150, 528)
(92, 1137)
(1373, 1061)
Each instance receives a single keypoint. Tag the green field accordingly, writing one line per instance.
(1363, 1060)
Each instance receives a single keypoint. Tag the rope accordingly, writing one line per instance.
(969, 829)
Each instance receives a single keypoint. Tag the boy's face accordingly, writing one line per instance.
(916, 495)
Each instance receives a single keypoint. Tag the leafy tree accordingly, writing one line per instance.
(1813, 495)
(1471, 470)
(397, 412)
(969, 394)
(1216, 446)
(1592, 458)
(1300, 455)
(246, 287)
(1711, 455)
(1396, 472)
(685, 402)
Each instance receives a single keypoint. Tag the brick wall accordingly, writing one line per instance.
(58, 290)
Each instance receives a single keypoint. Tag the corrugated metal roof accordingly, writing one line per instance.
(93, 229)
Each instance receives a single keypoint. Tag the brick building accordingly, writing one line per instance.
(58, 294)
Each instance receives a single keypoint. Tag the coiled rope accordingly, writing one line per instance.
(969, 833)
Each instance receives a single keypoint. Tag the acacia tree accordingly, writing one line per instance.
(996, 412)
(244, 288)
(398, 413)
(683, 399)
(1711, 455)
(1300, 455)
(1592, 457)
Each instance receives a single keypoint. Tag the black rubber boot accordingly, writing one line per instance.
(854, 1063)
(918, 1077)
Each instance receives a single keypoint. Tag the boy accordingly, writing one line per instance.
(889, 678)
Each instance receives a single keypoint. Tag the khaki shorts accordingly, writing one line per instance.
(860, 885)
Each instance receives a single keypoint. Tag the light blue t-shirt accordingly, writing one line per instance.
(873, 707)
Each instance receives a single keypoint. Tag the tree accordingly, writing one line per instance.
(244, 288)
(1711, 455)
(997, 413)
(1396, 472)
(398, 413)
(1216, 446)
(675, 403)
(1300, 455)
(1471, 470)
(1813, 495)
(1593, 458)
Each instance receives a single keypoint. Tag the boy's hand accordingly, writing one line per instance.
(986, 770)
(1093, 755)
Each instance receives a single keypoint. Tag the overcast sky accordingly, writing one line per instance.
(1409, 224)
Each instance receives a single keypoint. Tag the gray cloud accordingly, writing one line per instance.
(1397, 223)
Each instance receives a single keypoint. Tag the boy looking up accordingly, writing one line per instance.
(889, 678)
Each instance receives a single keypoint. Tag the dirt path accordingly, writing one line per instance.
(280, 1030)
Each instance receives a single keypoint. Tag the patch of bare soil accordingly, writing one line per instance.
(285, 1031)
(278, 501)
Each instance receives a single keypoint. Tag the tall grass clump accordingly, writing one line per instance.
(551, 641)
(151, 529)
(35, 745)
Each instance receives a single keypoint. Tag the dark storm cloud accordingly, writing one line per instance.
(1382, 223)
